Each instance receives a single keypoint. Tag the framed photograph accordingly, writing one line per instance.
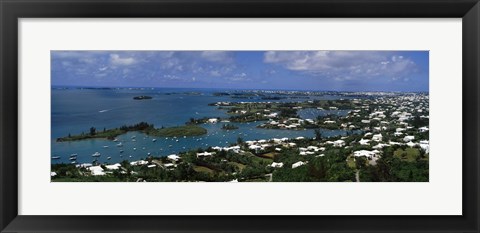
(252, 116)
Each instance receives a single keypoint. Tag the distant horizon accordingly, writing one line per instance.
(348, 71)
(219, 88)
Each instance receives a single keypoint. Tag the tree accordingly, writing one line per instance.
(318, 134)
(92, 131)
(239, 140)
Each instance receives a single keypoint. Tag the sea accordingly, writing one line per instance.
(75, 110)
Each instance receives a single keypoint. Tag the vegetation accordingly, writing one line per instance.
(110, 134)
(179, 131)
(229, 127)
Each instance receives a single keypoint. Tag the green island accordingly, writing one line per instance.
(149, 129)
(178, 131)
(142, 97)
(229, 127)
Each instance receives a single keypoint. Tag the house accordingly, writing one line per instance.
(298, 164)
(408, 138)
(339, 143)
(212, 120)
(411, 144)
(364, 142)
(96, 170)
(139, 162)
(425, 145)
(173, 157)
(204, 154)
(377, 137)
(276, 165)
(366, 153)
(113, 166)
(423, 129)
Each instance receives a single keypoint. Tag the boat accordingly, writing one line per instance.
(105, 146)
(148, 153)
(73, 155)
(96, 154)
(73, 162)
(134, 148)
(55, 157)
(134, 140)
(133, 136)
(115, 140)
(121, 151)
(108, 158)
(119, 144)
(154, 140)
(73, 158)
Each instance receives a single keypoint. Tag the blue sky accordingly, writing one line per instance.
(287, 70)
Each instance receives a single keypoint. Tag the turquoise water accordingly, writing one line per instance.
(76, 110)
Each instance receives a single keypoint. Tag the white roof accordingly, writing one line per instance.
(298, 164)
(139, 162)
(113, 166)
(173, 157)
(276, 164)
(96, 170)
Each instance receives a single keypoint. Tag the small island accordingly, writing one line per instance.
(149, 129)
(229, 127)
(142, 97)
(179, 131)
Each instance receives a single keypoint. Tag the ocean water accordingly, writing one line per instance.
(76, 110)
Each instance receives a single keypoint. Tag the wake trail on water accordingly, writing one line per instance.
(105, 110)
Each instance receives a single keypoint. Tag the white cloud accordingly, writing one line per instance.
(238, 77)
(115, 59)
(344, 65)
(217, 56)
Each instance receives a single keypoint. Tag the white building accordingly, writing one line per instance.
(339, 143)
(377, 137)
(408, 138)
(276, 165)
(173, 157)
(298, 164)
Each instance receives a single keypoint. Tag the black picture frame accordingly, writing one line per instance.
(11, 11)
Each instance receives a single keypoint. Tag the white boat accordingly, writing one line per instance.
(73, 155)
(134, 140)
(154, 140)
(134, 148)
(73, 162)
(105, 146)
(55, 157)
(108, 158)
(96, 154)
(115, 140)
(119, 144)
(133, 137)
(73, 158)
